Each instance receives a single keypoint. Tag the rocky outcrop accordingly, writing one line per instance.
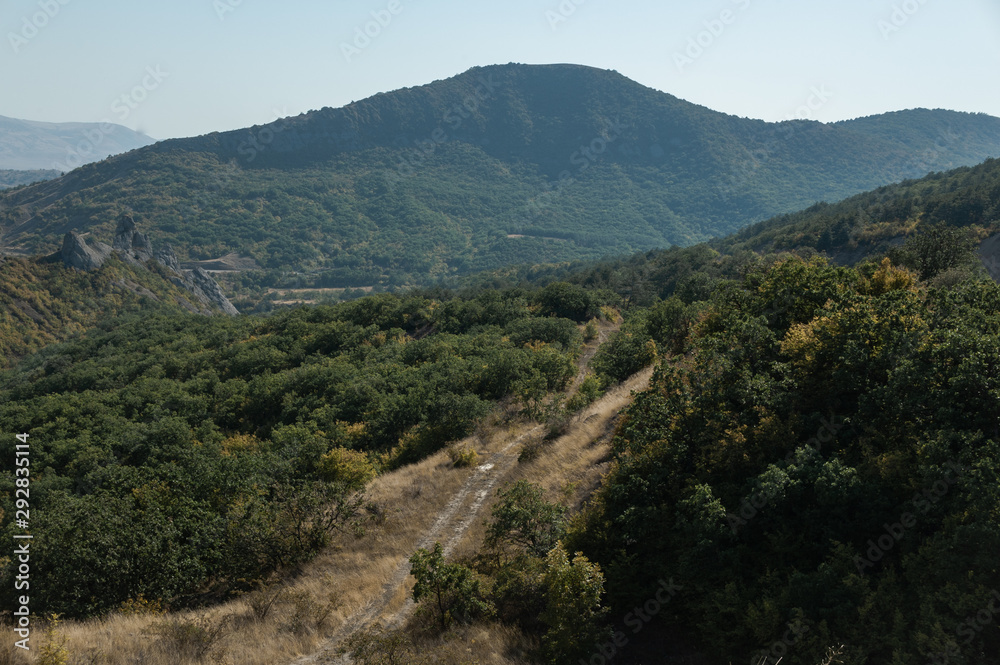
(76, 253)
(209, 289)
(134, 248)
(168, 259)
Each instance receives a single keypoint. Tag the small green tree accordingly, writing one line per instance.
(573, 611)
(523, 518)
(453, 589)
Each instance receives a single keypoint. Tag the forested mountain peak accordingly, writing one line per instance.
(499, 165)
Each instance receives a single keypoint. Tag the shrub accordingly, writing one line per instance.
(453, 591)
(193, 638)
(523, 519)
(141, 606)
(262, 599)
(463, 456)
(378, 646)
(53, 650)
(350, 467)
(530, 452)
(589, 391)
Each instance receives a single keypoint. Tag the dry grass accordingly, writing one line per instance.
(358, 582)
(343, 579)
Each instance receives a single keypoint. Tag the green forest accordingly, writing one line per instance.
(817, 457)
(411, 187)
(181, 455)
(808, 472)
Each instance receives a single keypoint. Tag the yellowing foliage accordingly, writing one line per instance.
(890, 278)
(350, 467)
(239, 443)
(804, 341)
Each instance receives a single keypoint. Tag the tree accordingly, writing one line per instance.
(524, 518)
(939, 249)
(452, 588)
(573, 611)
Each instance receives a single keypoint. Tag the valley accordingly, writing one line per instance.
(533, 364)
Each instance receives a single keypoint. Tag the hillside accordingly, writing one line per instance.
(817, 448)
(921, 223)
(44, 300)
(31, 145)
(876, 220)
(497, 166)
(13, 178)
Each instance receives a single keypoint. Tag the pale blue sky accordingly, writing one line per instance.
(220, 70)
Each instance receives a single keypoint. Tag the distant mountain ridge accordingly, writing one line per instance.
(11, 178)
(29, 145)
(497, 166)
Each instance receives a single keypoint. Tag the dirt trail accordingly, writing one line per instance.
(391, 604)
(604, 330)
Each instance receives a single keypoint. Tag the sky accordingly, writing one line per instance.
(173, 68)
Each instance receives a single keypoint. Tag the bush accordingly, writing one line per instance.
(53, 650)
(589, 391)
(463, 456)
(378, 646)
(569, 301)
(350, 467)
(623, 355)
(523, 519)
(193, 638)
(530, 452)
(453, 592)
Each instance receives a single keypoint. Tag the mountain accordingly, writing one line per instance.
(49, 299)
(817, 443)
(12, 178)
(30, 145)
(945, 222)
(875, 221)
(497, 166)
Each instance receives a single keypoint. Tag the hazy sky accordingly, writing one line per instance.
(174, 68)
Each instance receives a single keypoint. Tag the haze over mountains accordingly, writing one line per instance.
(496, 166)
(26, 145)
